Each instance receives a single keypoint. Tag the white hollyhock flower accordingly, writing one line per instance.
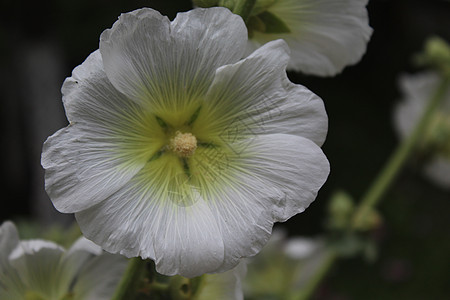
(288, 263)
(38, 269)
(180, 151)
(417, 90)
(324, 35)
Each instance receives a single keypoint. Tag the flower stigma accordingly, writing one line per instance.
(183, 144)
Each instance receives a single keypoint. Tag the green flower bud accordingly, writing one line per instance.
(372, 219)
(340, 209)
(436, 54)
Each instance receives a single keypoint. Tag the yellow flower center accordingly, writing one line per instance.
(183, 144)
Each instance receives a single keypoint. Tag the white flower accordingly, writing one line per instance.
(288, 264)
(324, 35)
(417, 90)
(38, 269)
(178, 150)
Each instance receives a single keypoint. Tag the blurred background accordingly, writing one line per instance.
(42, 41)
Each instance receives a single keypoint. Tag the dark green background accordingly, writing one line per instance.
(414, 241)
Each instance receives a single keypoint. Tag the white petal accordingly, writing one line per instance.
(189, 243)
(82, 168)
(416, 89)
(279, 177)
(255, 93)
(99, 277)
(144, 219)
(96, 154)
(81, 252)
(11, 285)
(85, 245)
(38, 263)
(300, 247)
(297, 166)
(31, 247)
(150, 59)
(438, 170)
(9, 239)
(325, 36)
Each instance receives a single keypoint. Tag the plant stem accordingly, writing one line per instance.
(398, 158)
(383, 181)
(244, 8)
(131, 280)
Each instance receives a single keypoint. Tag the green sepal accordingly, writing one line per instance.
(273, 24)
(180, 288)
(261, 6)
(228, 4)
(267, 22)
(255, 24)
(196, 284)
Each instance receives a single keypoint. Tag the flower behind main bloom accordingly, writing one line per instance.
(324, 35)
(417, 89)
(288, 263)
(180, 151)
(39, 269)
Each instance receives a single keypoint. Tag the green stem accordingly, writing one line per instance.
(382, 183)
(398, 158)
(159, 286)
(131, 280)
(244, 8)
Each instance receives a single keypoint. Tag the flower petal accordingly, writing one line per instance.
(152, 60)
(11, 285)
(85, 245)
(325, 35)
(438, 170)
(296, 165)
(279, 176)
(9, 239)
(79, 254)
(148, 218)
(99, 277)
(104, 140)
(255, 94)
(38, 263)
(417, 89)
(191, 244)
